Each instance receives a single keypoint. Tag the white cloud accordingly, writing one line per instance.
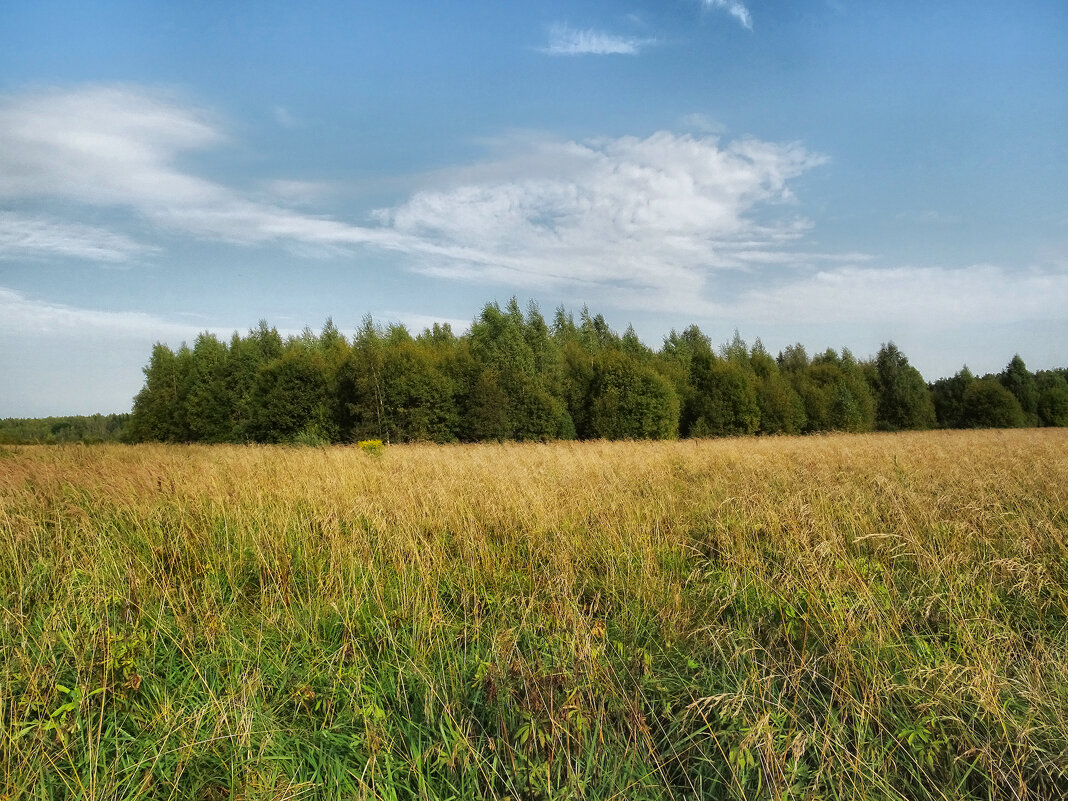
(567, 41)
(735, 8)
(655, 215)
(120, 146)
(20, 315)
(26, 236)
(285, 118)
(640, 223)
(909, 298)
(304, 193)
(102, 145)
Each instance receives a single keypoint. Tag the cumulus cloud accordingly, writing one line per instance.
(656, 214)
(567, 41)
(735, 8)
(27, 236)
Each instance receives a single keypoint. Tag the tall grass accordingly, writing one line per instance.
(842, 617)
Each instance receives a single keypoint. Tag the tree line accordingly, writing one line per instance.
(90, 429)
(516, 376)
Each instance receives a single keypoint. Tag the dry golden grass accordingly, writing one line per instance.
(853, 616)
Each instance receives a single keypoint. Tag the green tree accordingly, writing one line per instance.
(516, 357)
(159, 411)
(1018, 380)
(291, 397)
(487, 416)
(793, 359)
(722, 400)
(631, 345)
(210, 402)
(902, 398)
(835, 395)
(677, 355)
(246, 356)
(947, 394)
(596, 334)
(1053, 406)
(781, 408)
(576, 385)
(361, 386)
(1052, 398)
(417, 396)
(630, 400)
(761, 362)
(988, 404)
(736, 351)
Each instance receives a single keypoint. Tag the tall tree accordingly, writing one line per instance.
(947, 394)
(722, 400)
(1052, 398)
(519, 360)
(210, 401)
(1018, 380)
(781, 408)
(630, 400)
(159, 409)
(902, 398)
(291, 397)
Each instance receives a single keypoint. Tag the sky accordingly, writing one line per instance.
(829, 172)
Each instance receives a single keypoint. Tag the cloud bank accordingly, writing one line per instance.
(915, 297)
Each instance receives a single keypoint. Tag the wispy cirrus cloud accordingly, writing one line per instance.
(29, 236)
(22, 315)
(735, 8)
(120, 147)
(567, 41)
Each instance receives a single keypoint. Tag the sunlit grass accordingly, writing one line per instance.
(864, 616)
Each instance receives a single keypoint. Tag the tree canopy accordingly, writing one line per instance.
(515, 376)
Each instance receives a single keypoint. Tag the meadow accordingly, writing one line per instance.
(871, 616)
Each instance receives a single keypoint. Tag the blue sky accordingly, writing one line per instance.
(825, 171)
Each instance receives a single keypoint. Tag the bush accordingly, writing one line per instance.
(372, 447)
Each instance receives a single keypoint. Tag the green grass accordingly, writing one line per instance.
(861, 617)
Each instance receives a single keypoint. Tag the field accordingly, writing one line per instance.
(842, 617)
